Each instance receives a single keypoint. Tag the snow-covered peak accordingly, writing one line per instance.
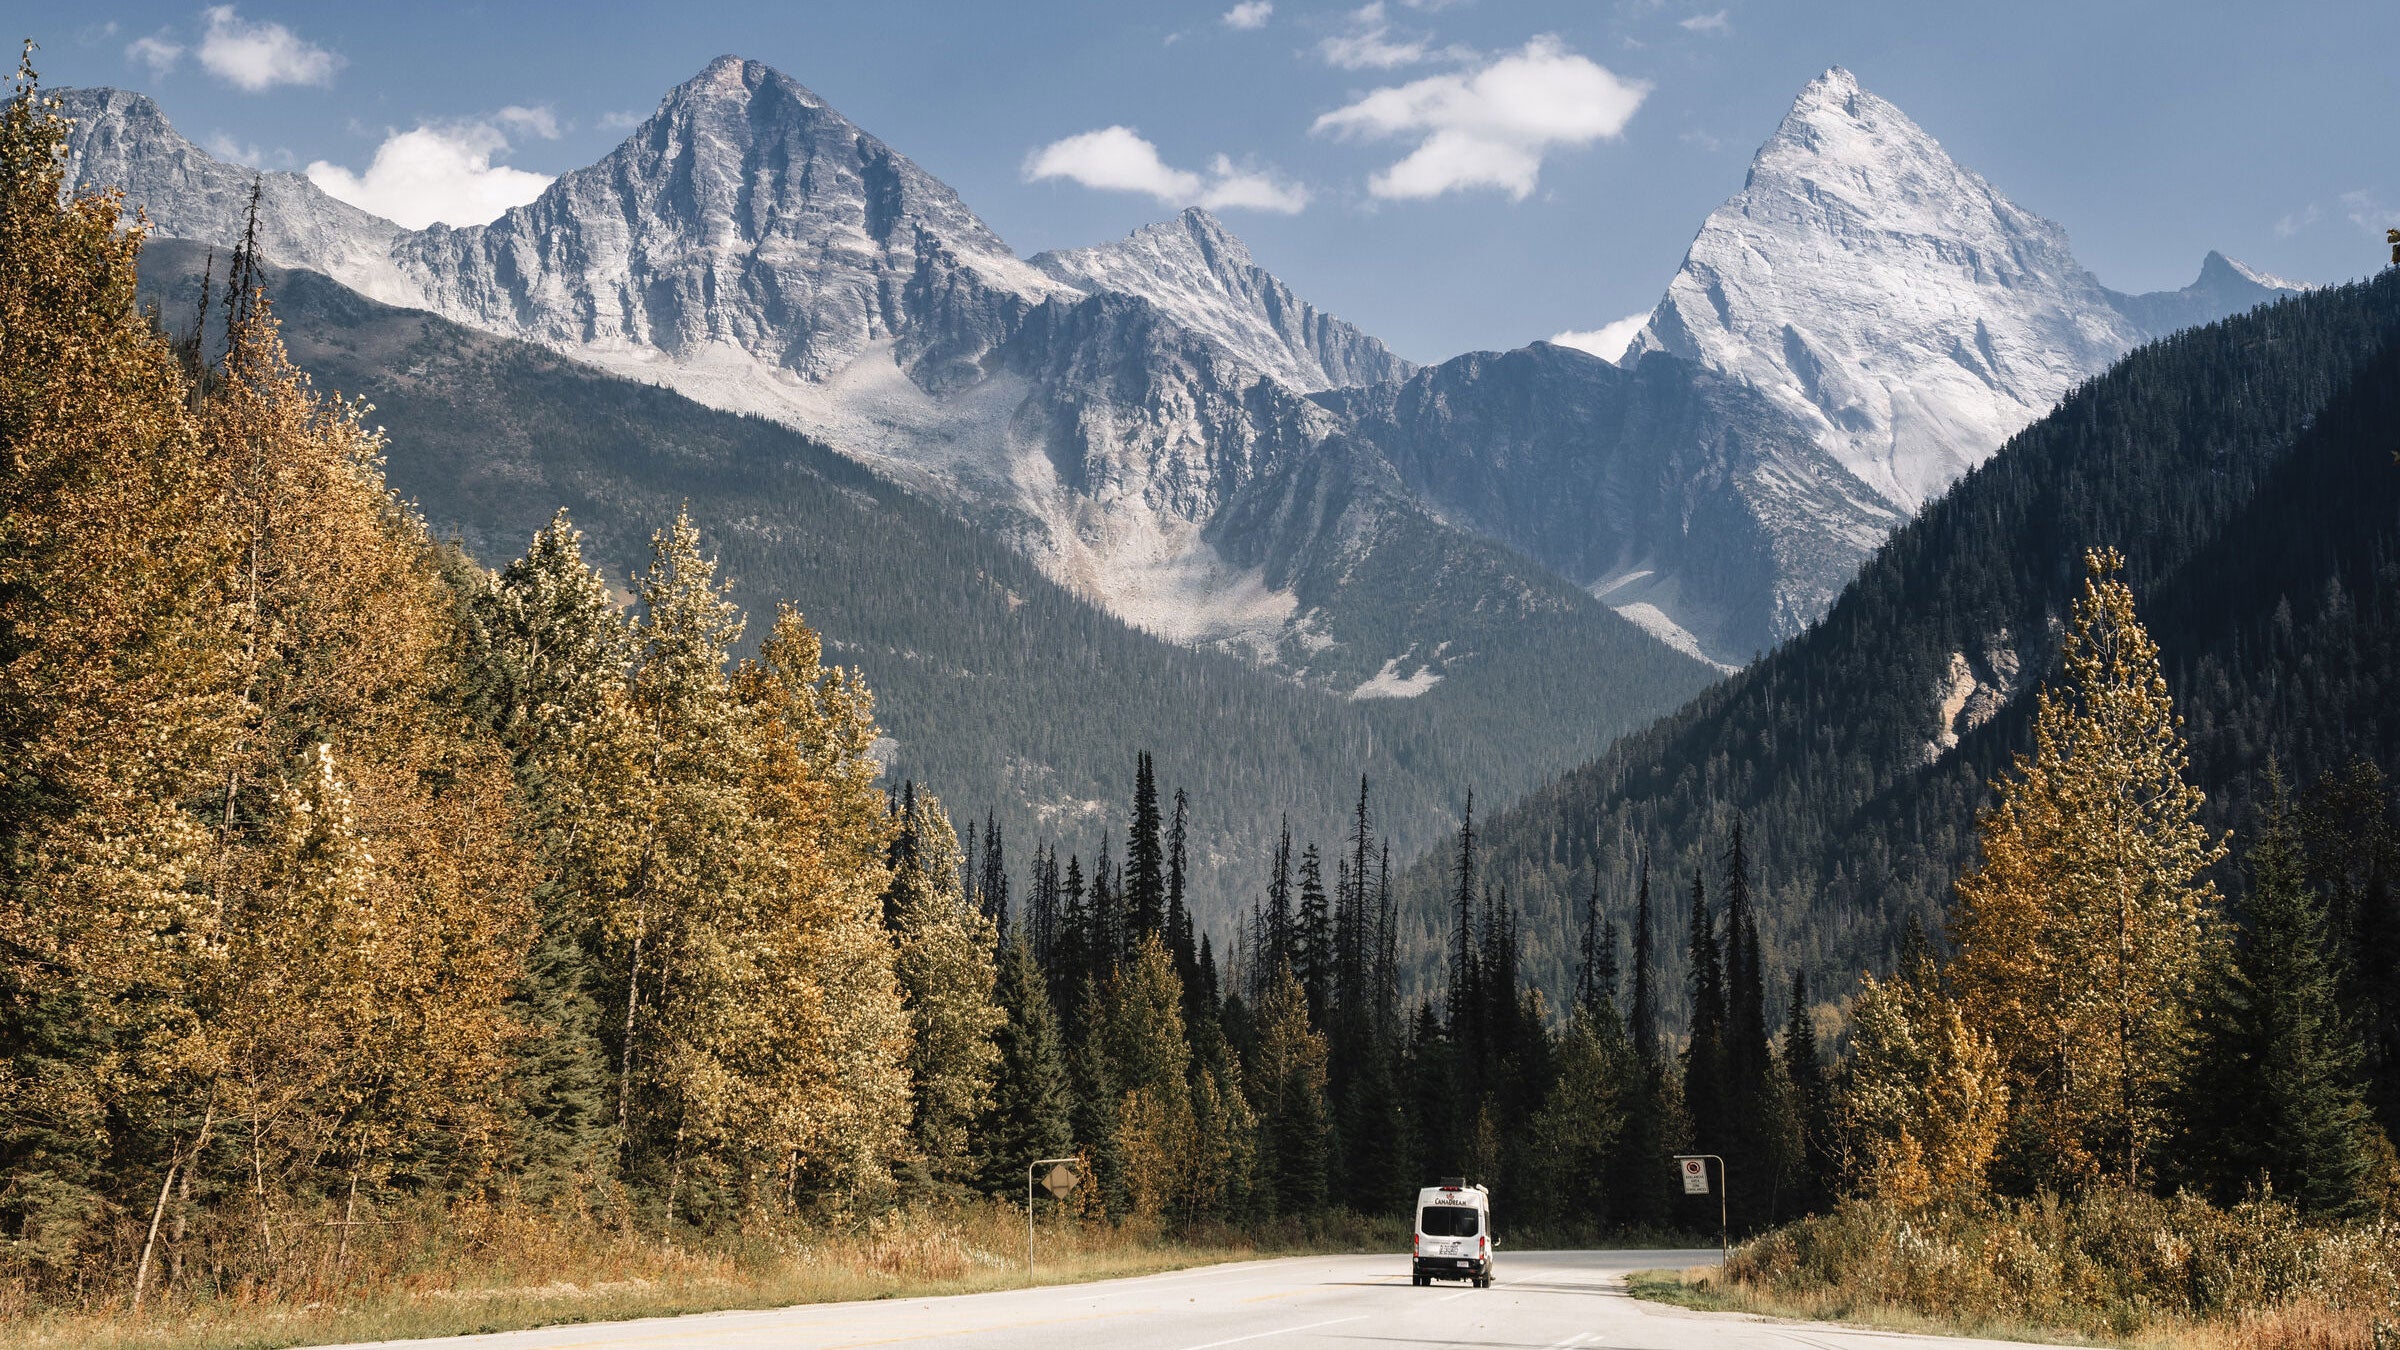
(1905, 308)
(2217, 264)
(1202, 275)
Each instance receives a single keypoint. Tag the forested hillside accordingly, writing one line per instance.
(2244, 469)
(997, 688)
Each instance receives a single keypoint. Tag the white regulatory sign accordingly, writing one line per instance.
(1695, 1175)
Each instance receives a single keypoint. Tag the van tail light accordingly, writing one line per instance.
(1482, 1245)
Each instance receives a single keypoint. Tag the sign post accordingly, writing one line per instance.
(1694, 1167)
(1059, 1180)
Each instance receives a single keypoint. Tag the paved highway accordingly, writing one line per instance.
(1540, 1301)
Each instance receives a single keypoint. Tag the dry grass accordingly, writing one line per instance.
(498, 1272)
(2112, 1269)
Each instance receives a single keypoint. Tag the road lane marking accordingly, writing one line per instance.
(1286, 1331)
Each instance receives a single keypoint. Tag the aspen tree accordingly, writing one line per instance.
(946, 971)
(1926, 1099)
(810, 1017)
(113, 706)
(686, 830)
(2085, 930)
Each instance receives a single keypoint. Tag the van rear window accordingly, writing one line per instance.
(1446, 1221)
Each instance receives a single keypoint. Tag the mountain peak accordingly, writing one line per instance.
(1202, 274)
(741, 78)
(1889, 295)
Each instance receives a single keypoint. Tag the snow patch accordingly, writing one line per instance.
(1390, 683)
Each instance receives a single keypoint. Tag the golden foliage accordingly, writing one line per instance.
(2084, 931)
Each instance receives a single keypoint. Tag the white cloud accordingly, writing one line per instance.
(2369, 213)
(439, 173)
(1707, 23)
(157, 51)
(256, 156)
(1608, 341)
(621, 121)
(259, 56)
(1231, 188)
(1490, 127)
(1117, 159)
(1369, 44)
(1250, 14)
(2295, 221)
(535, 121)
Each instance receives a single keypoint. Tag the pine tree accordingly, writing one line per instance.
(1030, 1113)
(1180, 941)
(1145, 858)
(991, 892)
(2274, 1093)
(1643, 1020)
(1312, 938)
(1706, 1080)
(1276, 945)
(1466, 994)
(1804, 1066)
(2084, 932)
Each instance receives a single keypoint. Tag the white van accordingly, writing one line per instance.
(1454, 1234)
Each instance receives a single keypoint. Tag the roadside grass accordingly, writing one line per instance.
(2105, 1268)
(1703, 1289)
(515, 1272)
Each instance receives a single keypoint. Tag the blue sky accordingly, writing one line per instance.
(1450, 176)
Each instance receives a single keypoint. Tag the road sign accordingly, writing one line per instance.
(1695, 1176)
(1059, 1180)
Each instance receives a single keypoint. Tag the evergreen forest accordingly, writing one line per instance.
(344, 876)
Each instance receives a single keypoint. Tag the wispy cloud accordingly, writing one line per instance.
(256, 156)
(157, 51)
(2294, 222)
(1368, 43)
(443, 172)
(620, 121)
(1250, 14)
(260, 56)
(1707, 23)
(1608, 341)
(1491, 126)
(2367, 211)
(1118, 159)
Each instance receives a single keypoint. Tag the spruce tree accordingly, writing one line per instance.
(1705, 1079)
(1804, 1066)
(1312, 937)
(1145, 897)
(1642, 1022)
(1030, 1112)
(2274, 1096)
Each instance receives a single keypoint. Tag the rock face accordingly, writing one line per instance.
(1165, 427)
(1686, 500)
(1133, 416)
(122, 140)
(1193, 268)
(1912, 316)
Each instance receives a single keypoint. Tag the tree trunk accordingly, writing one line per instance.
(141, 1274)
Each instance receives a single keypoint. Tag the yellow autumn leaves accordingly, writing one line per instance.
(2064, 1023)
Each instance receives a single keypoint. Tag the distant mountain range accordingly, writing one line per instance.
(1168, 429)
(2246, 471)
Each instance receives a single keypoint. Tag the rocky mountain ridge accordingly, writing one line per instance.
(1897, 303)
(1167, 428)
